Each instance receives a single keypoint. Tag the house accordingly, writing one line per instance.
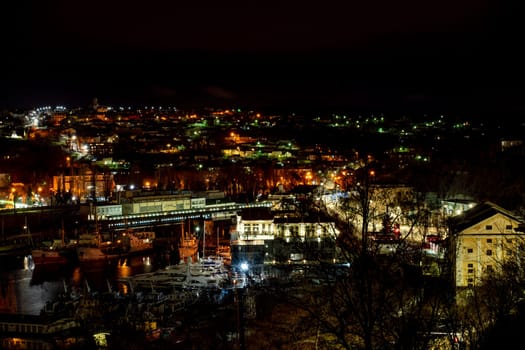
(262, 233)
(481, 239)
(254, 227)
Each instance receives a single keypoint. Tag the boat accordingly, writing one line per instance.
(90, 246)
(207, 273)
(40, 332)
(129, 243)
(16, 246)
(56, 251)
(169, 277)
(188, 248)
(225, 253)
(202, 274)
(137, 241)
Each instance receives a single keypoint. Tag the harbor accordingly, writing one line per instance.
(102, 303)
(171, 279)
(136, 303)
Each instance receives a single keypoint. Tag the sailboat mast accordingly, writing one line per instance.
(62, 233)
(97, 231)
(27, 232)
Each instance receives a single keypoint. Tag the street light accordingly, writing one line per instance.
(13, 196)
(239, 296)
(197, 230)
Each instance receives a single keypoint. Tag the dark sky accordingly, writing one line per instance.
(450, 56)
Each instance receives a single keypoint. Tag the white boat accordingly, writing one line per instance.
(205, 273)
(172, 277)
(212, 265)
(202, 282)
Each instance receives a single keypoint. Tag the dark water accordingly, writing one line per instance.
(24, 288)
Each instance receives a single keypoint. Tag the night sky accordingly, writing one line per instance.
(378, 56)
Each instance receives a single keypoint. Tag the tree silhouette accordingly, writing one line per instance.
(369, 299)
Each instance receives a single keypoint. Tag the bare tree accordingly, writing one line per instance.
(369, 300)
(493, 306)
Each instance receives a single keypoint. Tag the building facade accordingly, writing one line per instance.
(482, 238)
(263, 235)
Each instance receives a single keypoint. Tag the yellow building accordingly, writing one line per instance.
(482, 238)
(82, 186)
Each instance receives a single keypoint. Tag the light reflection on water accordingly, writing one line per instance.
(26, 289)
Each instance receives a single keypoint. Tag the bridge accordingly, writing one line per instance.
(49, 220)
(43, 219)
(216, 212)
